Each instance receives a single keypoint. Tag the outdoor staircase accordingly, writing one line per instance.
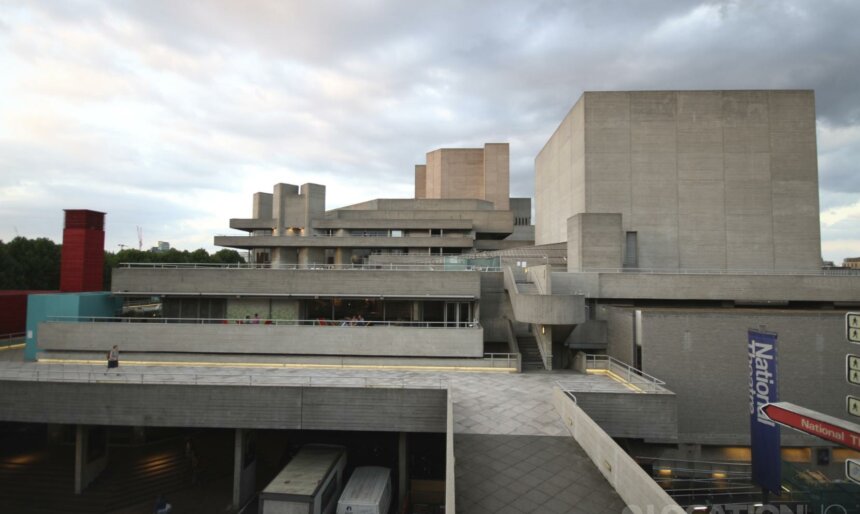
(530, 353)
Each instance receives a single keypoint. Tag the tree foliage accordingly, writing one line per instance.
(32, 264)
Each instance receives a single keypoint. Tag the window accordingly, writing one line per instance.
(631, 256)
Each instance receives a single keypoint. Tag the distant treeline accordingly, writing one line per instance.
(35, 263)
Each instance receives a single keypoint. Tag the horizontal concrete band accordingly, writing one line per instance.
(343, 242)
(279, 282)
(270, 407)
(725, 286)
(263, 339)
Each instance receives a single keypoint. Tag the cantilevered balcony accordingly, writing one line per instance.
(248, 242)
(309, 281)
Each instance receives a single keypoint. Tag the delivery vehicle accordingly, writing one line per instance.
(310, 484)
(367, 492)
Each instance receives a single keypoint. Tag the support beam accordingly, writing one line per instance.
(402, 468)
(91, 455)
(244, 467)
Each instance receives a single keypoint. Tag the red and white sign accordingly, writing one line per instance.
(815, 423)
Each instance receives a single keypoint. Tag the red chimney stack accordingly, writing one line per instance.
(82, 264)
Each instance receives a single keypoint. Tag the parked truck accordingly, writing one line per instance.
(367, 492)
(310, 483)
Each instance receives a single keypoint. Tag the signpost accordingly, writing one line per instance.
(814, 423)
(852, 470)
(764, 433)
(852, 327)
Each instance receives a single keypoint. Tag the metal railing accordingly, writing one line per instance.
(319, 322)
(314, 267)
(706, 271)
(625, 372)
(11, 339)
(74, 373)
(510, 360)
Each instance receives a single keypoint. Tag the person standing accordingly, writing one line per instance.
(113, 357)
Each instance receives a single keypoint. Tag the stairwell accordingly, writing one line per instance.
(530, 353)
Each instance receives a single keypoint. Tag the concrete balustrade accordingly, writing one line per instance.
(262, 339)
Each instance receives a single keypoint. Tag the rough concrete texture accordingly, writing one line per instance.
(499, 473)
(722, 287)
(594, 241)
(390, 341)
(708, 179)
(701, 354)
(309, 283)
(481, 173)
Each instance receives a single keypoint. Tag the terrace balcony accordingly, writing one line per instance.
(450, 281)
(90, 337)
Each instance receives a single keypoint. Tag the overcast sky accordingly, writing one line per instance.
(169, 115)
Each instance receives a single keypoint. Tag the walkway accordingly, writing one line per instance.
(513, 454)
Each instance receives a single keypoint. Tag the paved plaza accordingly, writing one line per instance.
(513, 454)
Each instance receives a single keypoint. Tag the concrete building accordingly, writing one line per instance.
(667, 224)
(683, 180)
(461, 205)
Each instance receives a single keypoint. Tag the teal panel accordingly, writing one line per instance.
(40, 307)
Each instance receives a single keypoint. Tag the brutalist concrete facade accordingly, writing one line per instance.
(702, 179)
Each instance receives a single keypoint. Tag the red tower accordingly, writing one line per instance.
(82, 264)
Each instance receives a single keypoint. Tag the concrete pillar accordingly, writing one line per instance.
(244, 467)
(284, 256)
(402, 469)
(91, 455)
(311, 256)
(342, 256)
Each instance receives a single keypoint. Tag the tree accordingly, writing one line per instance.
(30, 264)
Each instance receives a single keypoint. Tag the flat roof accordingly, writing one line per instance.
(307, 471)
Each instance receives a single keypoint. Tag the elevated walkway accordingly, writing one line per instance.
(630, 403)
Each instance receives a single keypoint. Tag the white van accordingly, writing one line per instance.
(310, 484)
(367, 492)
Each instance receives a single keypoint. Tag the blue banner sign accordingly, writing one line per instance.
(764, 433)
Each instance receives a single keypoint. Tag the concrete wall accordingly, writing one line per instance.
(481, 173)
(232, 282)
(420, 181)
(560, 178)
(496, 175)
(495, 307)
(626, 476)
(652, 417)
(594, 241)
(722, 287)
(545, 309)
(270, 407)
(263, 339)
(707, 179)
(702, 357)
(620, 331)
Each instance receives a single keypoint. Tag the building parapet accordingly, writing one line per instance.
(452, 282)
(382, 340)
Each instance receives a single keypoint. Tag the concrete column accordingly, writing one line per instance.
(342, 256)
(402, 469)
(244, 467)
(89, 461)
(284, 255)
(311, 256)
